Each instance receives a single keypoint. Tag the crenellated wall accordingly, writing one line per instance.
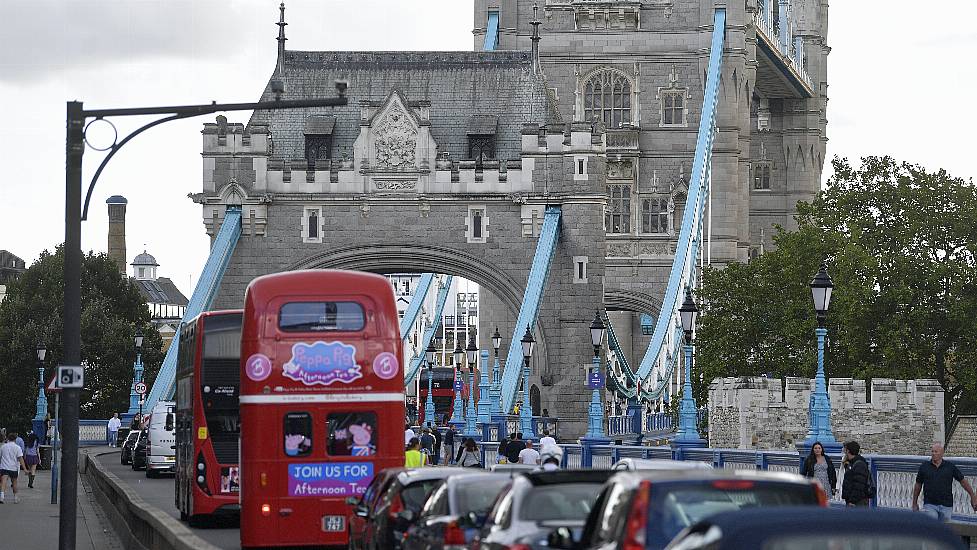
(897, 417)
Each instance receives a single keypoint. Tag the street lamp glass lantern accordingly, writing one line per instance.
(459, 354)
(688, 313)
(528, 344)
(41, 352)
(472, 352)
(430, 353)
(138, 338)
(597, 332)
(821, 290)
(496, 340)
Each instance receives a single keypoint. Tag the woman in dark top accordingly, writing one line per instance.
(818, 465)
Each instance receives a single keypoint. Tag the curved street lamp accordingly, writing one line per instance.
(495, 392)
(595, 413)
(819, 407)
(688, 433)
(526, 411)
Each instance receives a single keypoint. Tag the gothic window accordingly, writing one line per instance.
(617, 217)
(607, 98)
(477, 230)
(761, 176)
(673, 108)
(317, 148)
(481, 148)
(312, 225)
(580, 269)
(654, 215)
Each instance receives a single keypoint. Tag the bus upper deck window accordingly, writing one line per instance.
(321, 317)
(298, 433)
(352, 434)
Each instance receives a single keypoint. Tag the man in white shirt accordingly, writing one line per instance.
(408, 434)
(546, 440)
(11, 461)
(529, 455)
(114, 424)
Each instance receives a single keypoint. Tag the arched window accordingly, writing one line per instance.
(607, 98)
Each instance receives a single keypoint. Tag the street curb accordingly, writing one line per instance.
(139, 525)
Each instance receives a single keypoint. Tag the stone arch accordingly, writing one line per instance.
(616, 299)
(420, 258)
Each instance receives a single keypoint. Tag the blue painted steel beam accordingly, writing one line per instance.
(538, 272)
(200, 301)
(415, 362)
(615, 346)
(416, 303)
(683, 264)
(491, 32)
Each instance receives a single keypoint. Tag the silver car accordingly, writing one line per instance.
(636, 464)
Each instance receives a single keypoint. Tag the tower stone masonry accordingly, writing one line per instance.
(117, 231)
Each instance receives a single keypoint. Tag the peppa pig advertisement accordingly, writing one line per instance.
(322, 363)
(325, 479)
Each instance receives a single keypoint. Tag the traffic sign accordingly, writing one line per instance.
(71, 376)
(52, 386)
(141, 388)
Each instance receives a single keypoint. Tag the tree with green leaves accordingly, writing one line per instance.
(32, 313)
(900, 243)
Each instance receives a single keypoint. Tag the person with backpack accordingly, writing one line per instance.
(468, 455)
(857, 488)
(427, 444)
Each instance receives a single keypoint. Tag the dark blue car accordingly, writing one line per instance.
(810, 528)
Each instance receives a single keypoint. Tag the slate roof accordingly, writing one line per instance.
(461, 87)
(144, 259)
(161, 291)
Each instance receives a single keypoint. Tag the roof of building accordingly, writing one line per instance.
(116, 199)
(144, 259)
(488, 92)
(161, 291)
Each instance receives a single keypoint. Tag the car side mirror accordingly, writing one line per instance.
(406, 515)
(561, 538)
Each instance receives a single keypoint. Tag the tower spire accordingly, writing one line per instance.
(281, 39)
(535, 38)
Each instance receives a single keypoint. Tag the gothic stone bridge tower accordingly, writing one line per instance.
(638, 67)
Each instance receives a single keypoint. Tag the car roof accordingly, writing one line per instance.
(475, 477)
(663, 464)
(758, 524)
(412, 475)
(557, 477)
(657, 476)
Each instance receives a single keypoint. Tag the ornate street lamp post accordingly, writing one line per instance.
(429, 413)
(688, 433)
(41, 409)
(526, 411)
(819, 407)
(495, 393)
(457, 413)
(595, 424)
(471, 353)
(135, 399)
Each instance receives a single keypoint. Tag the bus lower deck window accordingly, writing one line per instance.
(352, 434)
(298, 433)
(321, 317)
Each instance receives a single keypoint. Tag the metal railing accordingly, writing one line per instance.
(785, 48)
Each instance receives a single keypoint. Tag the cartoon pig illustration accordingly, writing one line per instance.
(292, 444)
(362, 435)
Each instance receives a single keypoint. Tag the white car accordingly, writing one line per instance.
(634, 464)
(161, 448)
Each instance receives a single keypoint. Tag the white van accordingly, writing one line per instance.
(161, 447)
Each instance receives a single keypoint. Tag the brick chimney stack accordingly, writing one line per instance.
(117, 230)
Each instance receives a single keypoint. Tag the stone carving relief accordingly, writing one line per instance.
(395, 185)
(396, 141)
(620, 249)
(620, 170)
(654, 249)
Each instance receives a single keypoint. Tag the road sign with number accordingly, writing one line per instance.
(141, 388)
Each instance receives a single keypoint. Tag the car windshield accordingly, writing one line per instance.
(478, 496)
(565, 501)
(675, 506)
(848, 541)
(414, 495)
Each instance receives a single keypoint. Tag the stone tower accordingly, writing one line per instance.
(117, 230)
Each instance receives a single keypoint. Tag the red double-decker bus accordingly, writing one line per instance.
(208, 380)
(322, 402)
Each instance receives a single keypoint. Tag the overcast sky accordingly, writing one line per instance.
(902, 81)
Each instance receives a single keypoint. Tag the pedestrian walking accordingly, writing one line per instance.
(413, 457)
(935, 479)
(114, 425)
(529, 455)
(11, 461)
(449, 442)
(32, 458)
(20, 442)
(468, 455)
(408, 434)
(436, 457)
(136, 423)
(857, 488)
(514, 447)
(502, 456)
(819, 466)
(427, 444)
(547, 440)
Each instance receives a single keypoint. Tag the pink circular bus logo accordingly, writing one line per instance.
(258, 367)
(386, 365)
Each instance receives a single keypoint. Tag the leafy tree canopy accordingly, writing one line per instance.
(32, 313)
(899, 243)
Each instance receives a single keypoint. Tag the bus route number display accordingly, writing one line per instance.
(325, 479)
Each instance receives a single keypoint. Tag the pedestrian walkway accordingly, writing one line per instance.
(33, 523)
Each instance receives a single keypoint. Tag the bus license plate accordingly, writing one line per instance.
(332, 524)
